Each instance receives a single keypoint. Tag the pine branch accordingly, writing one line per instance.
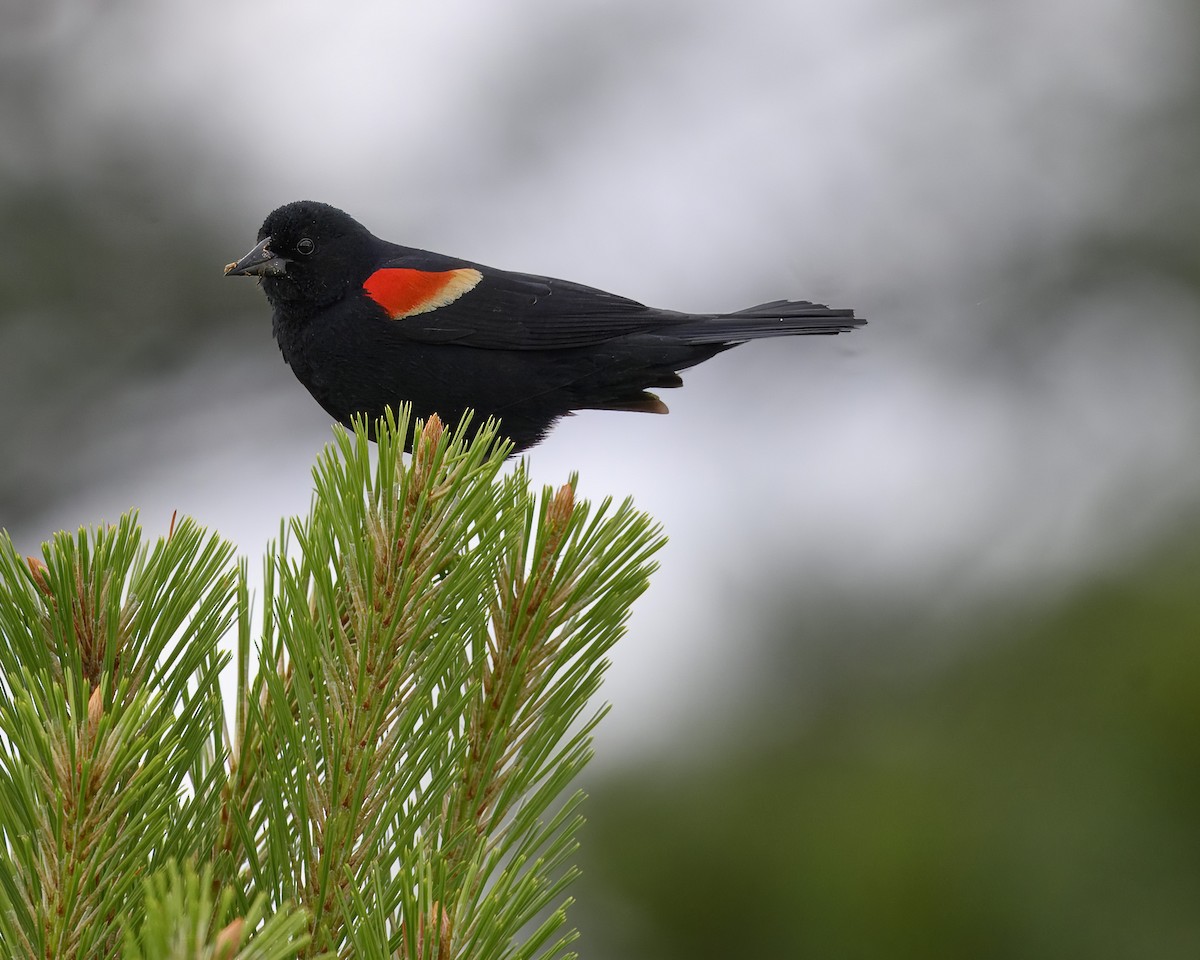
(183, 920)
(110, 663)
(407, 726)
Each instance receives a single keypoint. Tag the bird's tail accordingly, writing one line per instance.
(779, 318)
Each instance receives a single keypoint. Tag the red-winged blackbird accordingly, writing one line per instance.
(365, 324)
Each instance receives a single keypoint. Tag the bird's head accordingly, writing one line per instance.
(307, 253)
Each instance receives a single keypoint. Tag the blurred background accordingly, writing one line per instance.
(920, 674)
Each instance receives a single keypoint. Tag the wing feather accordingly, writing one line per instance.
(440, 299)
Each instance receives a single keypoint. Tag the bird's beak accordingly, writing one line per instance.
(259, 262)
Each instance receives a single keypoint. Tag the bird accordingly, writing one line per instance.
(366, 324)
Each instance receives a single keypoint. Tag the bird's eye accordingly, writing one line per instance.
(305, 246)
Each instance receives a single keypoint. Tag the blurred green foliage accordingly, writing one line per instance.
(104, 292)
(1037, 797)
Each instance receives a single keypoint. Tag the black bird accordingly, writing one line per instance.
(367, 324)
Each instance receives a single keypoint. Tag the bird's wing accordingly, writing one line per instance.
(436, 299)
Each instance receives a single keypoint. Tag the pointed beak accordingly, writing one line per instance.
(259, 262)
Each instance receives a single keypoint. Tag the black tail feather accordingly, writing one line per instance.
(778, 318)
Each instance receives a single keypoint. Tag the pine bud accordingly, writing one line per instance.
(229, 940)
(95, 710)
(38, 570)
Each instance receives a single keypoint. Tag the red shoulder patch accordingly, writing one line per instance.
(403, 292)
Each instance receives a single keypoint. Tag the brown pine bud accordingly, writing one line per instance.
(38, 571)
(229, 940)
(438, 917)
(561, 507)
(433, 430)
(95, 710)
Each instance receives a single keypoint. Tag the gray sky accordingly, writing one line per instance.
(935, 165)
